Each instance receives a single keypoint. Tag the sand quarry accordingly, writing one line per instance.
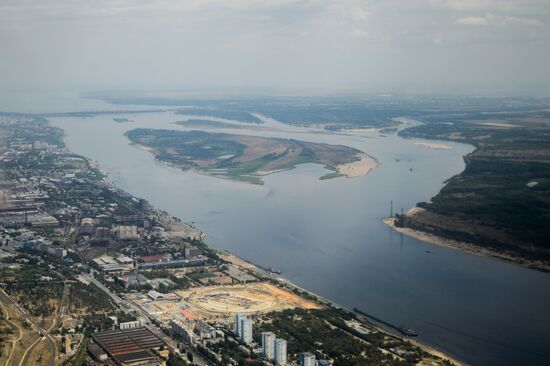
(220, 301)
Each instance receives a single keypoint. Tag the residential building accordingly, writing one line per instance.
(238, 318)
(280, 352)
(307, 359)
(184, 329)
(268, 345)
(246, 330)
(205, 330)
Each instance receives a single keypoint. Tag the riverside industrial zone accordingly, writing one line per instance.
(92, 275)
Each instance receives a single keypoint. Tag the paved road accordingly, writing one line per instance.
(63, 309)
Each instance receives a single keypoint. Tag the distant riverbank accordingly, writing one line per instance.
(463, 246)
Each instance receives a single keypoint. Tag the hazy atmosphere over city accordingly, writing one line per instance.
(306, 46)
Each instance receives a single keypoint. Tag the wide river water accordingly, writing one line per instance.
(327, 236)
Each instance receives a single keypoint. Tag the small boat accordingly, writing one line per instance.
(408, 332)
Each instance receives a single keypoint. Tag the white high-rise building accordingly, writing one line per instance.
(280, 352)
(246, 330)
(307, 359)
(238, 318)
(268, 345)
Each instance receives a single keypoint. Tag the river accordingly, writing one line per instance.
(327, 236)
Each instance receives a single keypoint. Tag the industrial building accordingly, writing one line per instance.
(86, 226)
(102, 237)
(130, 347)
(191, 252)
(107, 264)
(178, 263)
(163, 257)
(127, 232)
(137, 220)
(132, 324)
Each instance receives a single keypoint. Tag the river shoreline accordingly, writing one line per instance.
(466, 247)
(246, 264)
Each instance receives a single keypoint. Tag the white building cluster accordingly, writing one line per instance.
(243, 328)
(274, 349)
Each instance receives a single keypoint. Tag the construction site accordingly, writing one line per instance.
(215, 302)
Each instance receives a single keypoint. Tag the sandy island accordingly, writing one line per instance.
(144, 148)
(358, 168)
(463, 246)
(431, 145)
(494, 123)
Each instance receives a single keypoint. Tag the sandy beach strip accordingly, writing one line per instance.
(144, 148)
(431, 145)
(358, 168)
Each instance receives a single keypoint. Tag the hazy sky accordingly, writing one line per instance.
(288, 45)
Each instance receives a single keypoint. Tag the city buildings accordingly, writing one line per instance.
(307, 359)
(280, 352)
(238, 318)
(191, 252)
(108, 264)
(127, 232)
(177, 263)
(243, 328)
(268, 345)
(184, 329)
(246, 330)
(86, 226)
(132, 324)
(43, 247)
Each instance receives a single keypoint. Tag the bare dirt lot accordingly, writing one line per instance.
(222, 301)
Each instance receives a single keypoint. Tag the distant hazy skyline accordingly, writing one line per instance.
(478, 46)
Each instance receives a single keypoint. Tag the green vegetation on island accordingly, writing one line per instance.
(239, 157)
